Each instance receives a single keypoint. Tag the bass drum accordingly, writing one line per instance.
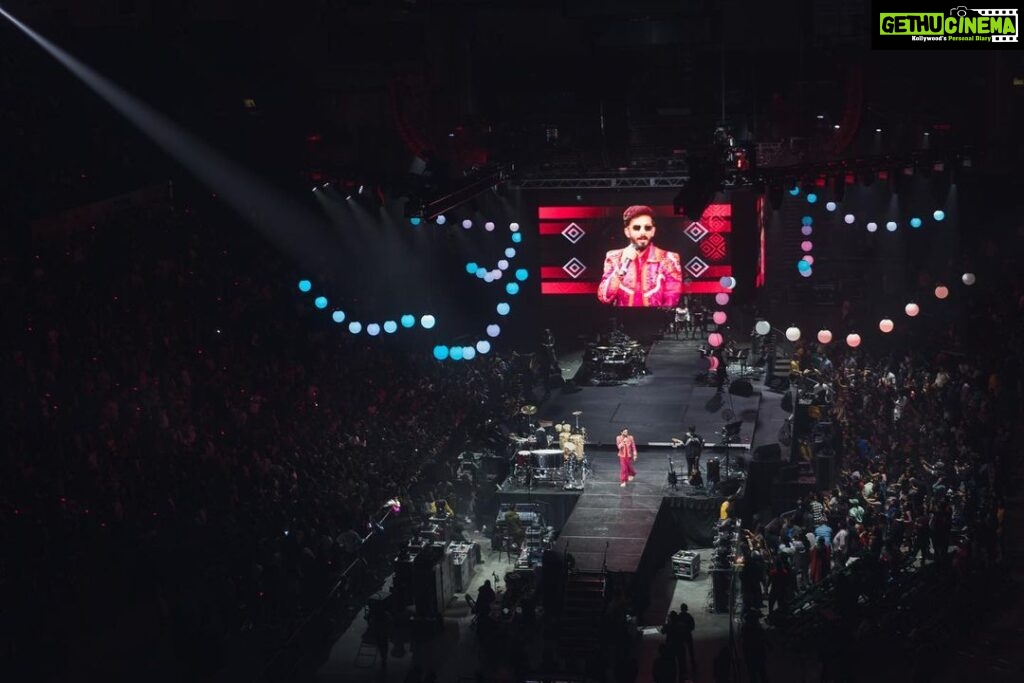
(578, 441)
(547, 458)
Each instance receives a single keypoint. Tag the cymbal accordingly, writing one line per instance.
(577, 413)
(528, 410)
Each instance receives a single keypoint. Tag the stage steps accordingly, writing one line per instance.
(582, 614)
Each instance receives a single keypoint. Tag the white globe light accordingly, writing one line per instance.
(824, 336)
(373, 329)
(830, 206)
(467, 224)
(793, 334)
(885, 325)
(941, 292)
(849, 218)
(912, 309)
(497, 273)
(493, 330)
(510, 252)
(891, 226)
(853, 340)
(483, 346)
(489, 277)
(872, 227)
(441, 220)
(514, 227)
(806, 273)
(428, 321)
(503, 264)
(489, 226)
(762, 327)
(968, 279)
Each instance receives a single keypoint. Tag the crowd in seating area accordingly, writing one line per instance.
(925, 441)
(191, 451)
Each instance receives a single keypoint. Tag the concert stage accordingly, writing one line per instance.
(655, 408)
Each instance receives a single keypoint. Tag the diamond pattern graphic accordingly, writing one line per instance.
(574, 267)
(713, 247)
(696, 232)
(695, 267)
(573, 233)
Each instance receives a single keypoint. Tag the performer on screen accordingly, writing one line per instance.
(641, 274)
(627, 455)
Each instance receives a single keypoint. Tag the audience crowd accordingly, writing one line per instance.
(194, 451)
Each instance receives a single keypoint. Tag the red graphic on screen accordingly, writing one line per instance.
(575, 241)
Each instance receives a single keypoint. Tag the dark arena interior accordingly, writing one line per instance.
(510, 341)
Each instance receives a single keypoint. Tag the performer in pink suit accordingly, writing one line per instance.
(641, 274)
(627, 454)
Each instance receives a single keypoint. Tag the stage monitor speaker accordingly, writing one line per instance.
(824, 471)
(769, 452)
(742, 388)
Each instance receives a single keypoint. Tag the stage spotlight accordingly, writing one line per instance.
(483, 346)
(373, 329)
(441, 352)
(521, 274)
(338, 316)
(503, 308)
(428, 321)
(390, 326)
(355, 327)
(493, 330)
(408, 321)
(305, 285)
(512, 288)
(517, 237)
(320, 302)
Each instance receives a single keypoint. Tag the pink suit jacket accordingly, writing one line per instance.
(658, 283)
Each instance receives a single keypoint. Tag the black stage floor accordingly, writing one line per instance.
(655, 408)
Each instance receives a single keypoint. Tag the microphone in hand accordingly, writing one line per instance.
(628, 255)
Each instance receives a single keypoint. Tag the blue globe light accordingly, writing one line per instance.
(355, 327)
(517, 237)
(512, 288)
(795, 190)
(481, 272)
(305, 285)
(939, 215)
(510, 252)
(338, 316)
(811, 198)
(408, 321)
(472, 267)
(522, 274)
(483, 346)
(803, 266)
(373, 329)
(503, 308)
(390, 326)
(441, 352)
(441, 220)
(468, 352)
(455, 353)
(428, 322)
(806, 220)
(915, 222)
(320, 302)
(415, 220)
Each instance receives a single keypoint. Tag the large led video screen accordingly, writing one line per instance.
(633, 254)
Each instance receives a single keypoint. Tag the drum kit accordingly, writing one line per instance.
(565, 466)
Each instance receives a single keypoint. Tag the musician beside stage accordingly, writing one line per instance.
(627, 454)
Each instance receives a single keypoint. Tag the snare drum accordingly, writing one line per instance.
(522, 459)
(547, 458)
